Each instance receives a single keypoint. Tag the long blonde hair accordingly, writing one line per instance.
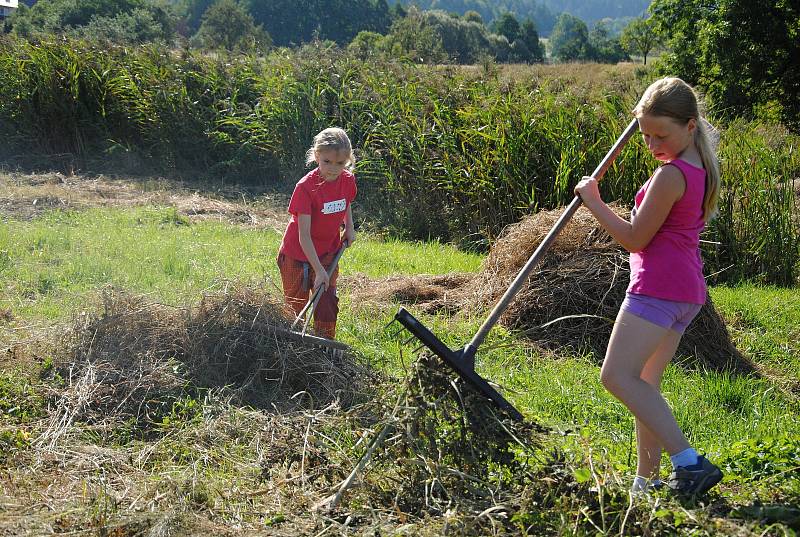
(331, 138)
(674, 98)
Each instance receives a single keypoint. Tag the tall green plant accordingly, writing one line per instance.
(758, 228)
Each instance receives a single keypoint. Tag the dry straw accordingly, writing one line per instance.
(447, 455)
(135, 358)
(568, 303)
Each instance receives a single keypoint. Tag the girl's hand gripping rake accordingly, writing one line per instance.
(307, 313)
(462, 361)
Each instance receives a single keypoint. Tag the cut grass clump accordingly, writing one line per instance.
(570, 301)
(137, 359)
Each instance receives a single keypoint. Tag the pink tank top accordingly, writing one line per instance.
(670, 266)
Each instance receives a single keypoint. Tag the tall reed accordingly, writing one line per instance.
(444, 153)
(758, 228)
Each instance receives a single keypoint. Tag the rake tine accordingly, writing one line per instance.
(305, 313)
(305, 325)
(409, 340)
(397, 333)
(312, 306)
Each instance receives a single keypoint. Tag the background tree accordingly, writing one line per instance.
(520, 53)
(193, 11)
(226, 24)
(19, 22)
(291, 22)
(414, 38)
(639, 37)
(570, 39)
(473, 16)
(366, 44)
(141, 25)
(680, 22)
(507, 25)
(501, 48)
(137, 19)
(530, 37)
(744, 54)
(604, 47)
(462, 40)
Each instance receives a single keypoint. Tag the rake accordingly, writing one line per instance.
(307, 313)
(462, 361)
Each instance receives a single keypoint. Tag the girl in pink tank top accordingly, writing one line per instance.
(667, 287)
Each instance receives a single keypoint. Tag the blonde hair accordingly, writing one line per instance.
(672, 97)
(331, 138)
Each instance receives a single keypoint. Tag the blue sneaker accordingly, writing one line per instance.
(695, 479)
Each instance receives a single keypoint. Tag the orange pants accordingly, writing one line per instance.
(298, 278)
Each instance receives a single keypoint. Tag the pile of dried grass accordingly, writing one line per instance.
(136, 358)
(570, 300)
(444, 454)
(577, 289)
(429, 293)
(453, 440)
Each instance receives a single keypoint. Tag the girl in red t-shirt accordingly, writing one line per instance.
(320, 208)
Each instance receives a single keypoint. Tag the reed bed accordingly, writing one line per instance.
(486, 148)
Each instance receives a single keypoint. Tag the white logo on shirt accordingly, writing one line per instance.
(334, 206)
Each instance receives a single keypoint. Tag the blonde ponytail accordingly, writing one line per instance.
(707, 149)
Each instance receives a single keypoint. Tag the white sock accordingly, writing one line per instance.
(687, 457)
(640, 484)
(644, 484)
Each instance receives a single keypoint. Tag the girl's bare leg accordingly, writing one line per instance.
(647, 445)
(633, 342)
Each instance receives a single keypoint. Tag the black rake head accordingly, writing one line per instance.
(461, 361)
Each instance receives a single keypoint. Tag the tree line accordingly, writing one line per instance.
(368, 27)
(744, 55)
(543, 12)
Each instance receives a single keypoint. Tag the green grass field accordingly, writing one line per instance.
(55, 265)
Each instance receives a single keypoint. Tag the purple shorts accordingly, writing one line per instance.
(664, 313)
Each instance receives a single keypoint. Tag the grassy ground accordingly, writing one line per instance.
(54, 264)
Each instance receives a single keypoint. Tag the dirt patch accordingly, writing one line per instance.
(26, 196)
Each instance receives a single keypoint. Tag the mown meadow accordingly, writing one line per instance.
(447, 158)
(56, 266)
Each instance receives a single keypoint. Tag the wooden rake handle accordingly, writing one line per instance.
(505, 300)
(308, 310)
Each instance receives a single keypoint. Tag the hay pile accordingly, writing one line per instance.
(136, 358)
(452, 440)
(581, 281)
(449, 456)
(428, 293)
(577, 288)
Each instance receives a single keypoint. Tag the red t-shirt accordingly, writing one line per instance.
(327, 203)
